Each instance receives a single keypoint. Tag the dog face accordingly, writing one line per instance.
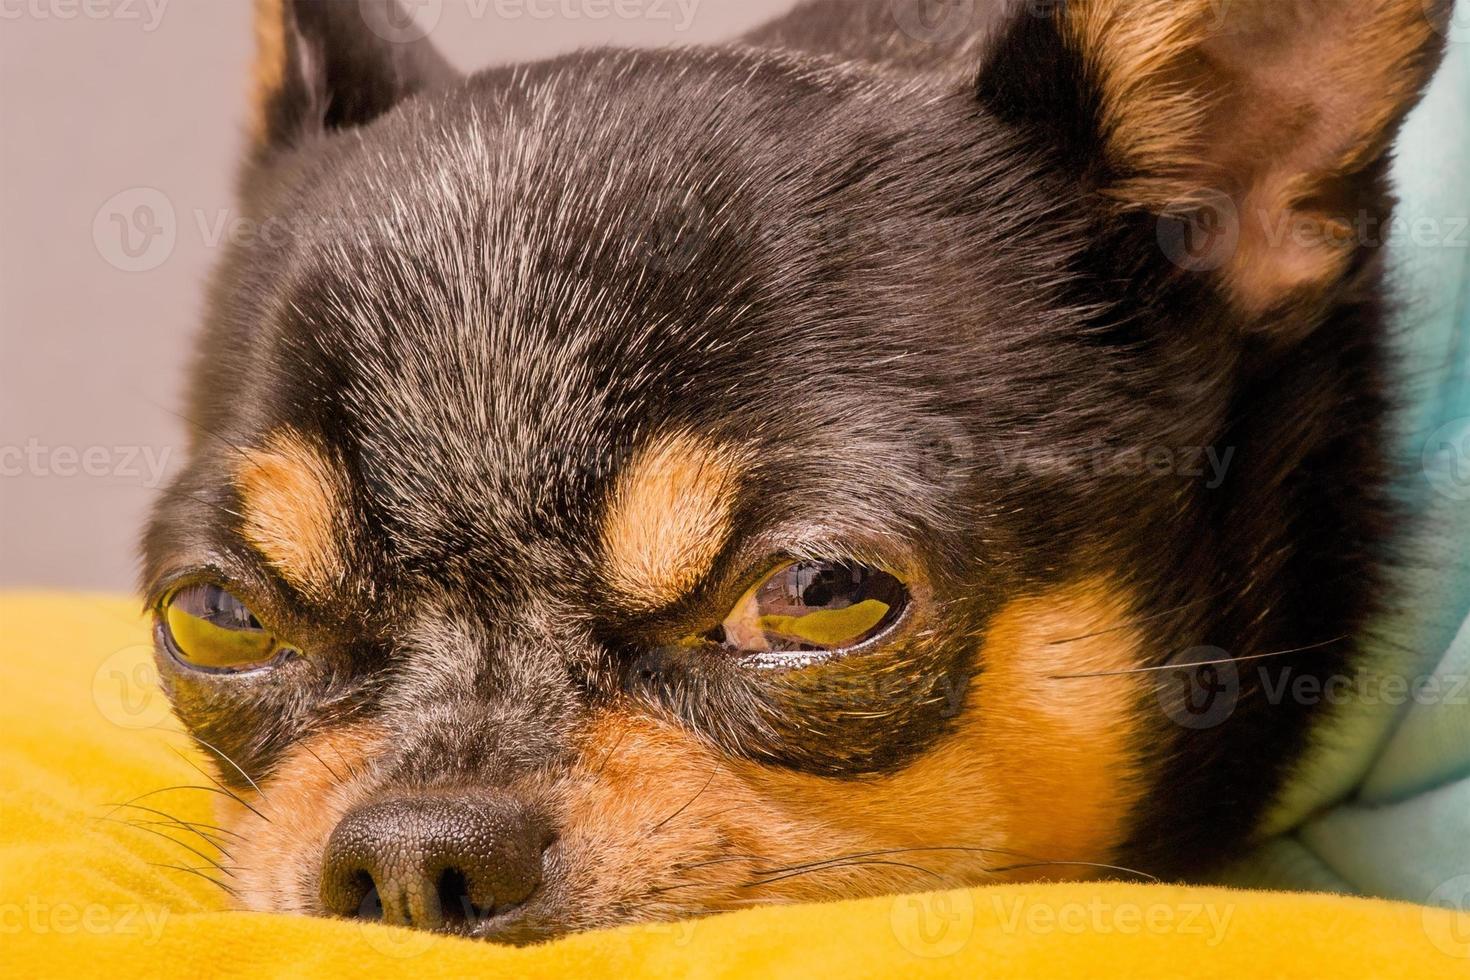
(643, 484)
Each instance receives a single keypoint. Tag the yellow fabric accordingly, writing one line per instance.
(84, 729)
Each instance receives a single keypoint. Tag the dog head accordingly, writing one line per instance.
(640, 484)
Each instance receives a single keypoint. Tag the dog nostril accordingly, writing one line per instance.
(369, 904)
(437, 862)
(455, 903)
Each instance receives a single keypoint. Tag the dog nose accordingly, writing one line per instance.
(444, 863)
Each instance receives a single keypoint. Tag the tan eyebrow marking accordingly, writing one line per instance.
(293, 509)
(668, 518)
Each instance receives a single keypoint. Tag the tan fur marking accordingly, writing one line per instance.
(292, 504)
(1041, 769)
(1274, 101)
(270, 62)
(669, 517)
(307, 795)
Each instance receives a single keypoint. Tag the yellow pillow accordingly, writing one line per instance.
(82, 893)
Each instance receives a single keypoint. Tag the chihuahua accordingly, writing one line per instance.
(845, 461)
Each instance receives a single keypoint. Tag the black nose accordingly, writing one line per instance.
(446, 863)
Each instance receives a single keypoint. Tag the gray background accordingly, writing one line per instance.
(109, 106)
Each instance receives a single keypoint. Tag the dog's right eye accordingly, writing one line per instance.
(814, 606)
(209, 629)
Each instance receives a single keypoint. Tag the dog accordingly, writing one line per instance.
(846, 461)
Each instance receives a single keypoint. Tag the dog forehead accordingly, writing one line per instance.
(509, 298)
(508, 315)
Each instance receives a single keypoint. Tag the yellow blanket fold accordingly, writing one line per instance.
(89, 887)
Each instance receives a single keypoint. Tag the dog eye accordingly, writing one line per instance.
(209, 629)
(814, 606)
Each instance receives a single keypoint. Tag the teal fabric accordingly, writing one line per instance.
(1381, 805)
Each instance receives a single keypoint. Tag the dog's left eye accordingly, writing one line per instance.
(207, 628)
(807, 606)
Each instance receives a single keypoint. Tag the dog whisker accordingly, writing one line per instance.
(235, 765)
(170, 816)
(839, 867)
(202, 789)
(1029, 861)
(200, 874)
(610, 752)
(211, 503)
(219, 785)
(687, 803)
(174, 840)
(354, 772)
(1072, 864)
(728, 858)
(178, 825)
(312, 752)
(241, 451)
(1190, 665)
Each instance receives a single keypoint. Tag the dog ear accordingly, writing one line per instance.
(324, 65)
(1273, 116)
